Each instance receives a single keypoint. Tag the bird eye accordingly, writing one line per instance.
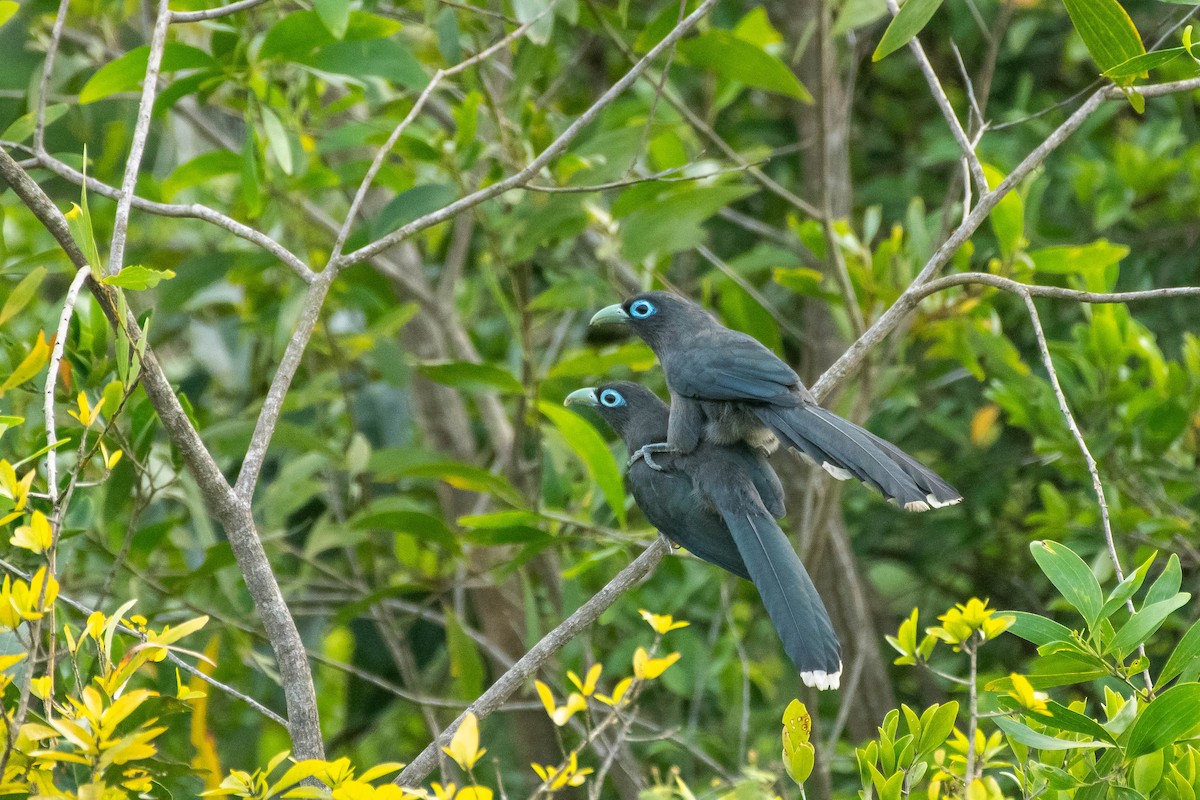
(642, 309)
(611, 398)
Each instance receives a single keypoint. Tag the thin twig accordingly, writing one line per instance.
(1056, 292)
(60, 340)
(39, 117)
(657, 177)
(141, 131)
(1092, 468)
(214, 13)
(943, 104)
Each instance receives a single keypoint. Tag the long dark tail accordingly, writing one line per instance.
(846, 450)
(788, 593)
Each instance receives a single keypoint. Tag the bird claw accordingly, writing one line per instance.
(645, 453)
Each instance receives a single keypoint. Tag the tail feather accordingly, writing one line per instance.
(787, 592)
(846, 450)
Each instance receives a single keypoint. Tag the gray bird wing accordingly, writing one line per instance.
(728, 365)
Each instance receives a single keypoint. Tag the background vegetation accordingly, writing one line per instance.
(334, 266)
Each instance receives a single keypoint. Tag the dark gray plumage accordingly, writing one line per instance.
(727, 387)
(720, 502)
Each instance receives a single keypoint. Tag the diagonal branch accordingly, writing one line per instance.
(539, 654)
(943, 103)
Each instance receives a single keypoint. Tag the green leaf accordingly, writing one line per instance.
(738, 60)
(1028, 736)
(22, 128)
(528, 10)
(21, 294)
(1169, 717)
(1127, 588)
(1063, 718)
(936, 729)
(904, 27)
(1144, 623)
(1008, 217)
(7, 9)
(126, 73)
(1184, 654)
(592, 450)
(137, 277)
(412, 204)
(1167, 584)
(1144, 63)
(277, 139)
(335, 16)
(200, 170)
(466, 667)
(382, 58)
(1071, 576)
(471, 376)
(1106, 29)
(396, 515)
(1078, 259)
(673, 222)
(399, 462)
(858, 13)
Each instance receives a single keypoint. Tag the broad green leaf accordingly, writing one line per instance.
(22, 128)
(1167, 584)
(398, 462)
(858, 13)
(335, 16)
(500, 519)
(1110, 35)
(412, 204)
(1144, 623)
(1063, 718)
(936, 724)
(801, 280)
(126, 73)
(21, 294)
(528, 10)
(466, 667)
(673, 222)
(137, 277)
(7, 9)
(904, 27)
(471, 376)
(1071, 576)
(1185, 653)
(1127, 588)
(277, 139)
(591, 448)
(1168, 718)
(1040, 741)
(738, 60)
(383, 58)
(1144, 63)
(397, 515)
(1037, 629)
(1078, 259)
(200, 170)
(301, 32)
(1008, 217)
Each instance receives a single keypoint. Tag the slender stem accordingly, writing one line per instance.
(214, 13)
(141, 131)
(60, 339)
(973, 709)
(39, 119)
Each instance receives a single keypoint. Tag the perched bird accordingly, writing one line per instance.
(720, 502)
(727, 387)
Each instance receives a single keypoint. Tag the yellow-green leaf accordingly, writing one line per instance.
(1106, 29)
(592, 450)
(904, 27)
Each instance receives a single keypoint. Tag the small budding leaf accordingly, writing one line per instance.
(798, 753)
(464, 747)
(137, 277)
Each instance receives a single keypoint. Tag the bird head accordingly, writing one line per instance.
(637, 414)
(657, 317)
